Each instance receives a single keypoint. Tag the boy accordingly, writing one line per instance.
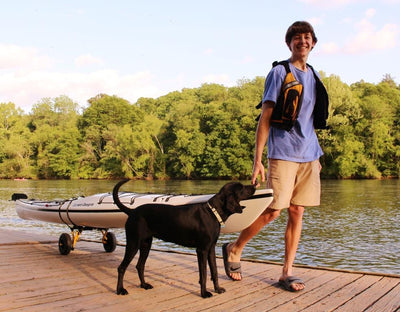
(293, 158)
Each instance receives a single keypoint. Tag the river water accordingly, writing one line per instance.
(356, 227)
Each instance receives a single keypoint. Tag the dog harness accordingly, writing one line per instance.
(216, 214)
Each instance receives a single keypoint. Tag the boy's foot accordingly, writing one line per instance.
(292, 283)
(232, 268)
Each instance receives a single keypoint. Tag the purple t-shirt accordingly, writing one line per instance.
(300, 144)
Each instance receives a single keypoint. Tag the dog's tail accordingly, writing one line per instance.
(116, 197)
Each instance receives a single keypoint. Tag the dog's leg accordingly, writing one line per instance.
(144, 253)
(212, 262)
(130, 252)
(202, 261)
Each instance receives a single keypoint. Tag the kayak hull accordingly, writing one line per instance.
(99, 211)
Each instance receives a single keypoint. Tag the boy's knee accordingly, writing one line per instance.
(296, 211)
(270, 214)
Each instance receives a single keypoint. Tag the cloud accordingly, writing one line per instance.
(328, 3)
(17, 58)
(247, 59)
(28, 89)
(370, 13)
(330, 48)
(316, 21)
(369, 38)
(26, 77)
(87, 59)
(346, 20)
(209, 51)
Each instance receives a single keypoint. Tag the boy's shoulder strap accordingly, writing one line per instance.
(275, 63)
(313, 70)
(287, 67)
(284, 63)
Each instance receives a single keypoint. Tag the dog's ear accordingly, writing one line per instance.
(233, 196)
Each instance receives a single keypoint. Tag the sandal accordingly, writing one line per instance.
(230, 267)
(288, 282)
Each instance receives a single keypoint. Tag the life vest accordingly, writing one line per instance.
(288, 104)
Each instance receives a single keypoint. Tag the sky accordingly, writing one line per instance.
(150, 48)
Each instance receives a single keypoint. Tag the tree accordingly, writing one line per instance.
(205, 132)
(14, 148)
(104, 111)
(131, 151)
(55, 139)
(183, 140)
(344, 115)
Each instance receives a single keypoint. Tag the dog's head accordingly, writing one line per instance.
(227, 200)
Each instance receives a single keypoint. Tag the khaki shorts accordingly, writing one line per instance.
(294, 183)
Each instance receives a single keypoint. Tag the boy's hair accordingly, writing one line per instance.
(299, 27)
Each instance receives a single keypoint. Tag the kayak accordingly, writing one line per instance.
(99, 211)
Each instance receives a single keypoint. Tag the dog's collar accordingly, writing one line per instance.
(215, 212)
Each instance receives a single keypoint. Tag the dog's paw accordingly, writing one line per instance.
(220, 290)
(122, 292)
(146, 286)
(206, 294)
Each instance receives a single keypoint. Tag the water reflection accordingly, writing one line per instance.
(356, 226)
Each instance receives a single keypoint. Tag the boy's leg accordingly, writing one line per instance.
(235, 249)
(281, 178)
(306, 193)
(292, 238)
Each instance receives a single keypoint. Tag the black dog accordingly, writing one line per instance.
(191, 225)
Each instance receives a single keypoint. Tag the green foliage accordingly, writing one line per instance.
(54, 138)
(103, 112)
(205, 132)
(14, 137)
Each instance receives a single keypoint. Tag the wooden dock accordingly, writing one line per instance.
(35, 277)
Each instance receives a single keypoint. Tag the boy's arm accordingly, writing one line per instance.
(262, 133)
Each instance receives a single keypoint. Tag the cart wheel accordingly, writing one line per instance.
(65, 244)
(109, 242)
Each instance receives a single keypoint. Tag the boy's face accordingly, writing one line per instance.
(301, 44)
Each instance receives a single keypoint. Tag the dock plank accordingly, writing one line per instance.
(258, 296)
(256, 276)
(373, 293)
(316, 289)
(387, 303)
(343, 295)
(35, 277)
